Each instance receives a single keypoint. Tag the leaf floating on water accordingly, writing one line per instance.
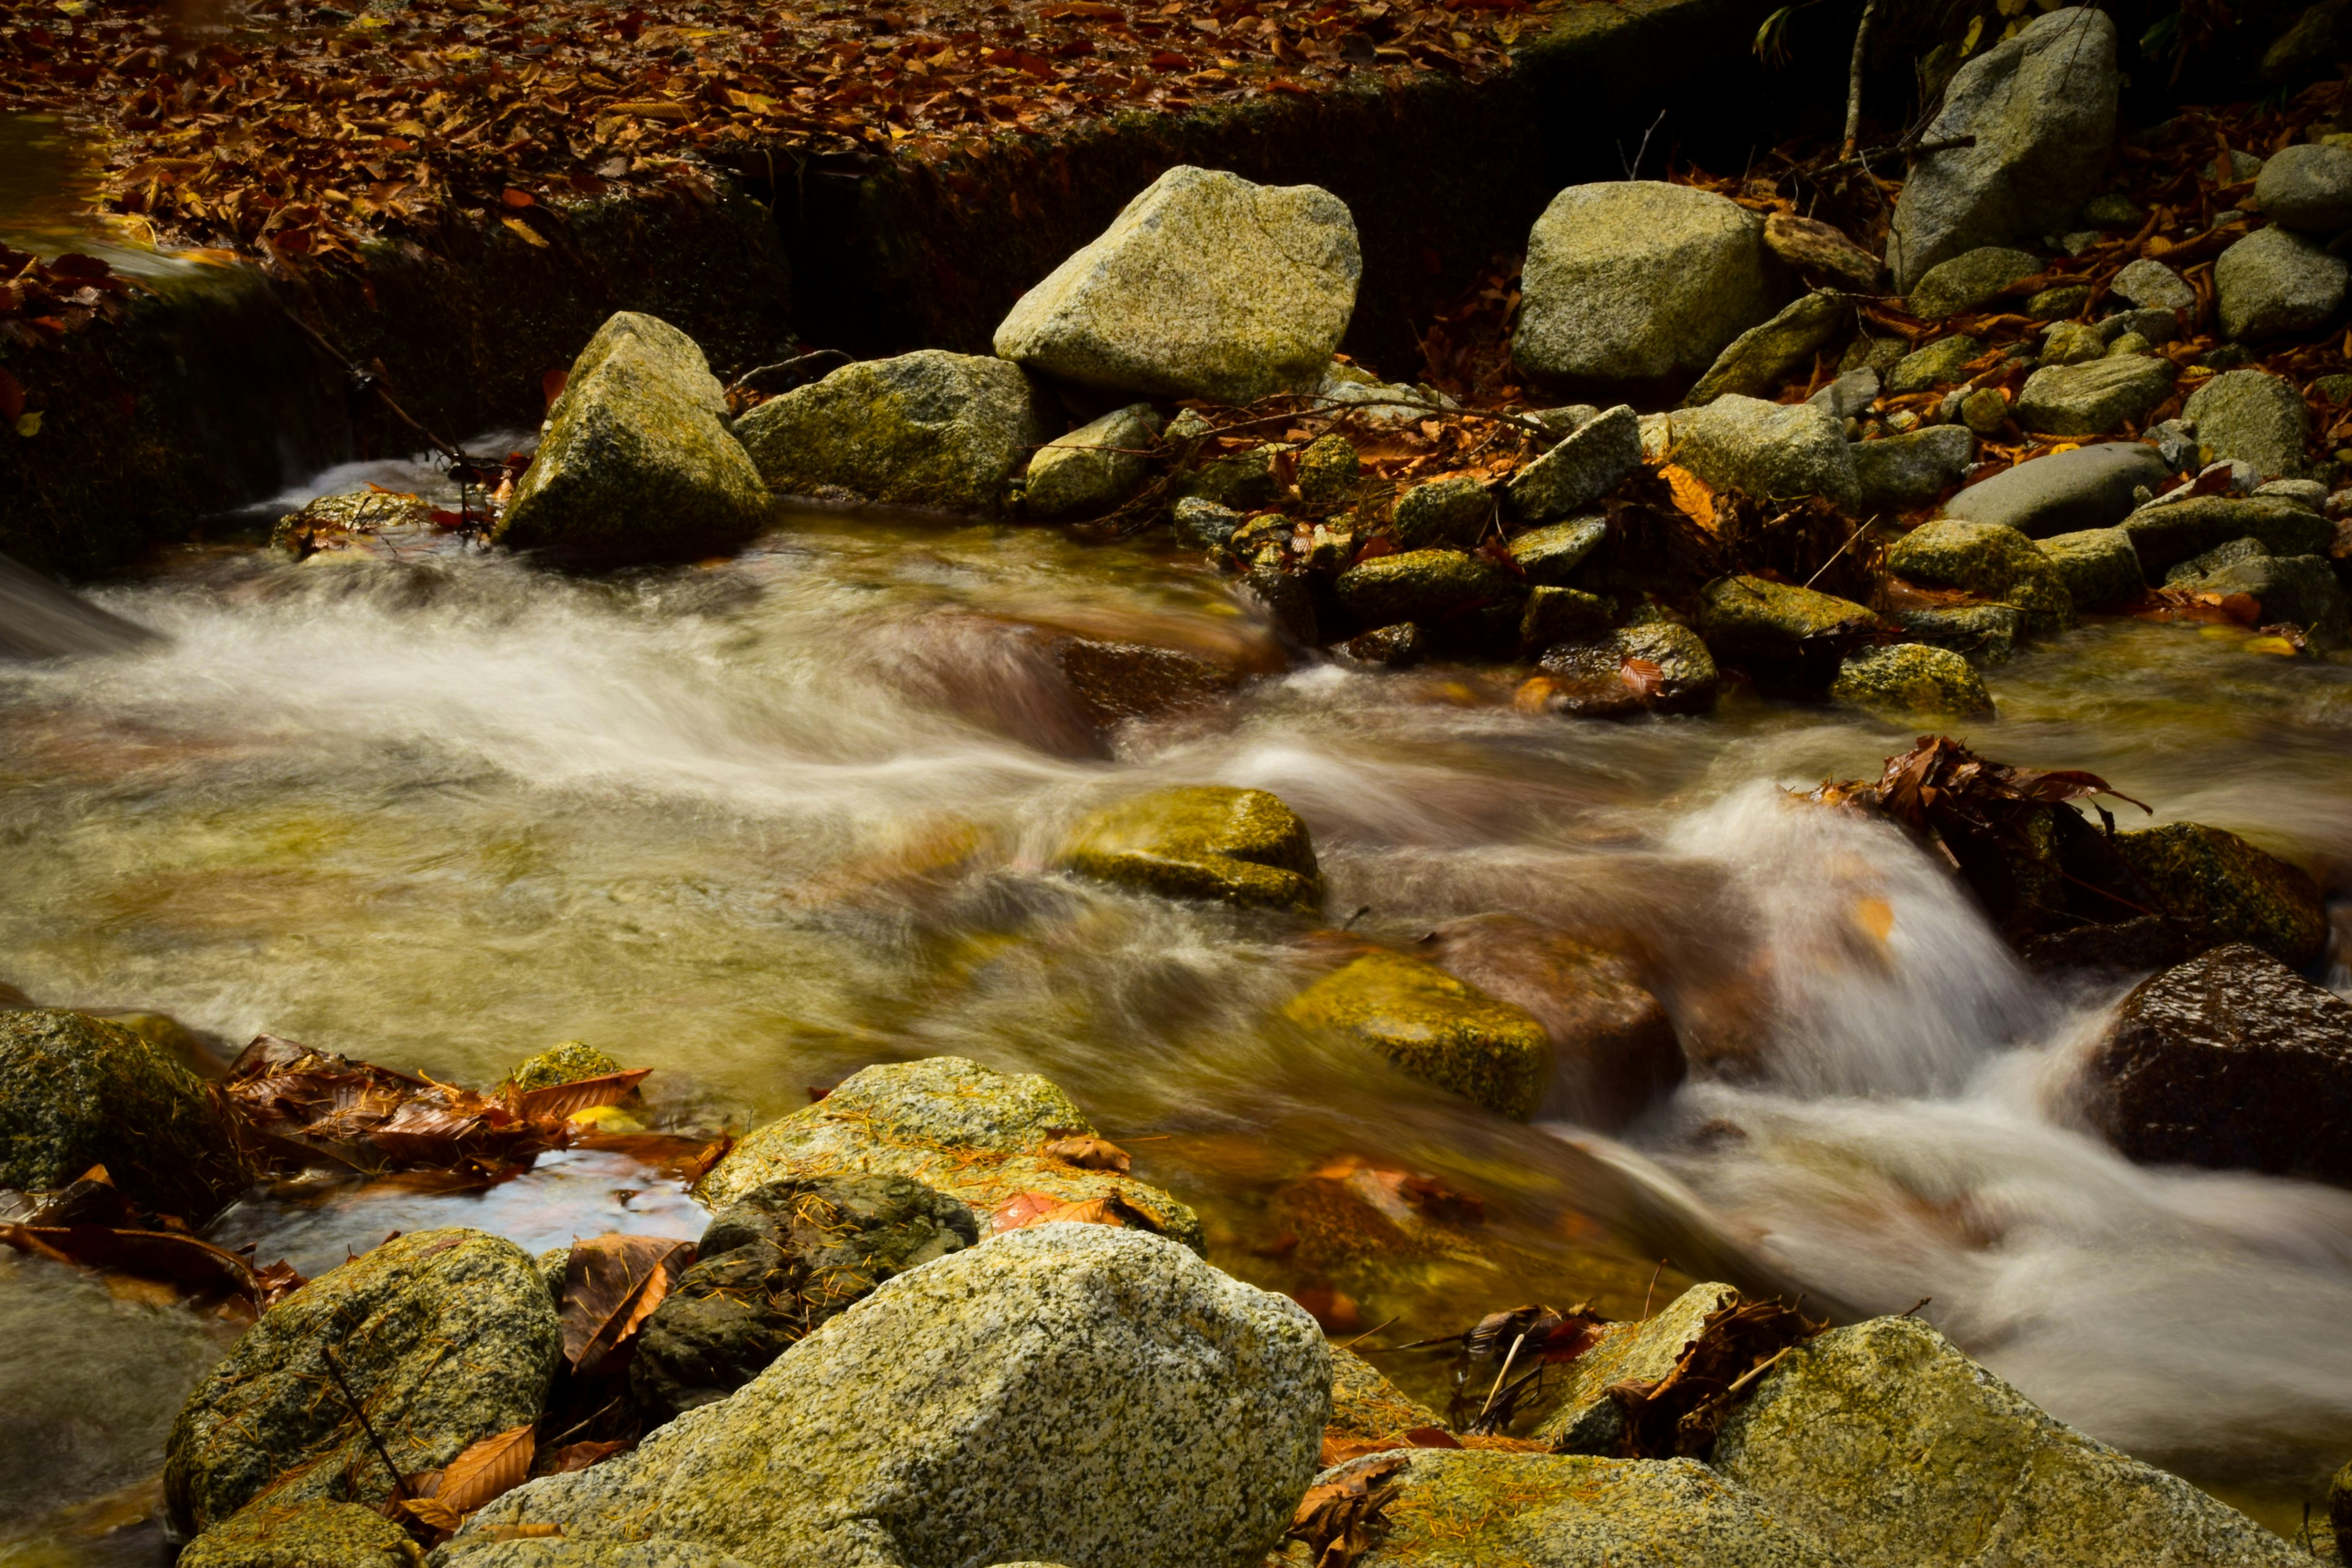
(562, 1101)
(610, 1284)
(196, 1271)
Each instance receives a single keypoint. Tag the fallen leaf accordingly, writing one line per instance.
(486, 1470)
(612, 1283)
(1089, 1153)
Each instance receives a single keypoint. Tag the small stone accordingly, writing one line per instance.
(2276, 281)
(566, 1062)
(1239, 846)
(1450, 511)
(1982, 633)
(1421, 585)
(2128, 346)
(2114, 210)
(2073, 342)
(2098, 566)
(2301, 591)
(1944, 360)
(2176, 444)
(2308, 494)
(1552, 554)
(2219, 885)
(1434, 1028)
(2242, 167)
(1970, 281)
(1095, 469)
(2308, 187)
(1988, 559)
(1985, 410)
(1399, 647)
(1853, 391)
(1912, 679)
(2057, 301)
(2333, 388)
(1581, 469)
(1901, 471)
(1768, 450)
(2154, 286)
(2158, 326)
(1201, 524)
(1758, 360)
(2226, 356)
(1328, 471)
(2253, 415)
(1812, 246)
(1244, 480)
(2079, 241)
(2096, 398)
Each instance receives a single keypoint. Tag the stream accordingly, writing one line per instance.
(756, 822)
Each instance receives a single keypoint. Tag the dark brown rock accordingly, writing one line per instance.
(2231, 1062)
(1615, 1049)
(2226, 889)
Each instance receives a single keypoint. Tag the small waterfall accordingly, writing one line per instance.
(40, 620)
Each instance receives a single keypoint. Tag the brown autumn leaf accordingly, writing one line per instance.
(580, 1455)
(610, 1284)
(192, 1268)
(1340, 1520)
(1644, 675)
(560, 1102)
(1089, 1153)
(486, 1470)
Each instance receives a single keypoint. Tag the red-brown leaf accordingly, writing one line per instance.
(610, 1285)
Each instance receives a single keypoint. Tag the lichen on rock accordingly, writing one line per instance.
(1201, 841)
(1433, 1026)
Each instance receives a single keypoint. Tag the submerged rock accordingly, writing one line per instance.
(1095, 469)
(929, 429)
(1970, 279)
(1986, 558)
(1758, 360)
(1614, 1051)
(1434, 1028)
(2065, 492)
(977, 1135)
(1773, 452)
(270, 1422)
(2253, 415)
(2231, 1062)
(786, 1257)
(2217, 884)
(1781, 625)
(2300, 591)
(2098, 566)
(2276, 281)
(1891, 1448)
(2093, 399)
(1982, 633)
(1912, 681)
(1466, 1508)
(2040, 110)
(1206, 285)
(1444, 512)
(1201, 841)
(312, 1534)
(2168, 533)
(636, 462)
(1579, 1417)
(1065, 1392)
(1581, 469)
(1632, 280)
(76, 1091)
(1606, 678)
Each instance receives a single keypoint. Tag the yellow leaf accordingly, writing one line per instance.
(1876, 916)
(29, 425)
(525, 230)
(2278, 645)
(1693, 498)
(1968, 42)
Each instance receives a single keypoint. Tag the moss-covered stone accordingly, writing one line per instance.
(76, 1091)
(1891, 1448)
(1577, 1416)
(2226, 887)
(2093, 399)
(1750, 619)
(312, 1534)
(1552, 554)
(2098, 566)
(1554, 616)
(2166, 534)
(1096, 467)
(338, 521)
(636, 462)
(975, 1134)
(567, 1062)
(1597, 677)
(1366, 1406)
(929, 429)
(446, 1336)
(1450, 511)
(1972, 278)
(1982, 633)
(1434, 1028)
(1327, 473)
(1758, 360)
(1467, 1507)
(1990, 559)
(1201, 841)
(1244, 481)
(1940, 363)
(1421, 585)
(1912, 680)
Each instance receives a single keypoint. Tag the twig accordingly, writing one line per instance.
(1753, 1372)
(1367, 1333)
(1917, 1305)
(1509, 1356)
(1640, 153)
(1853, 80)
(335, 1370)
(1661, 1269)
(1859, 530)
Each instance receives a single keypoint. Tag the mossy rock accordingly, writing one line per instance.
(1990, 559)
(1240, 846)
(1940, 363)
(1754, 620)
(567, 1062)
(1245, 482)
(1420, 585)
(2098, 566)
(1434, 1028)
(953, 1125)
(1576, 1415)
(328, 522)
(2166, 534)
(76, 1091)
(446, 1337)
(1366, 1406)
(1095, 469)
(1550, 554)
(312, 1534)
(1454, 510)
(1329, 470)
(2231, 891)
(1912, 680)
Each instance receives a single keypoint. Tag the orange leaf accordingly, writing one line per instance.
(1693, 497)
(1089, 1153)
(495, 1465)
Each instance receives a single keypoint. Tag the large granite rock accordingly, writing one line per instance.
(1899, 472)
(1912, 681)
(2065, 492)
(1970, 281)
(1233, 846)
(2093, 399)
(929, 429)
(1066, 1392)
(1580, 470)
(2277, 281)
(76, 1091)
(312, 1534)
(1892, 1449)
(1634, 281)
(1577, 1416)
(1782, 627)
(1614, 1052)
(1988, 559)
(1758, 360)
(1467, 1507)
(1770, 450)
(2231, 1062)
(2253, 417)
(2228, 890)
(1436, 1027)
(1205, 285)
(953, 1125)
(2098, 566)
(786, 1257)
(1095, 469)
(2308, 186)
(2042, 110)
(446, 1336)
(2167, 533)
(636, 462)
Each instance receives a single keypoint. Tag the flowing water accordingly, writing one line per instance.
(756, 822)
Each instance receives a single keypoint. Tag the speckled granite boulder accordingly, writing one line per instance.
(1201, 841)
(1449, 511)
(1577, 1416)
(784, 1258)
(481, 1551)
(1988, 559)
(929, 429)
(953, 1125)
(1907, 680)
(1553, 553)
(1094, 468)
(1205, 285)
(1434, 1028)
(1758, 360)
(2098, 566)
(567, 1062)
(636, 462)
(1891, 1448)
(1065, 1392)
(2253, 415)
(1770, 450)
(1632, 280)
(1581, 469)
(1970, 279)
(2040, 112)
(1752, 620)
(2308, 186)
(268, 1422)
(76, 1091)
(313, 1534)
(1422, 586)
(2231, 1062)
(2065, 492)
(2093, 399)
(1366, 1406)
(1898, 472)
(1470, 1508)
(2218, 884)
(2277, 281)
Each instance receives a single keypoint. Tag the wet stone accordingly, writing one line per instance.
(1599, 679)
(1232, 845)
(2098, 566)
(1778, 624)
(1398, 647)
(2065, 492)
(2217, 883)
(1434, 1028)
(1910, 470)
(1988, 559)
(1451, 511)
(1422, 586)
(1913, 680)
(1579, 1417)
(1095, 469)
(1327, 473)
(1982, 633)
(1202, 524)
(2168, 533)
(1769, 450)
(1552, 554)
(568, 1061)
(1558, 615)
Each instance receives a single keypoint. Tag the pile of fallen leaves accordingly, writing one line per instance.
(90, 1225)
(1680, 1414)
(296, 127)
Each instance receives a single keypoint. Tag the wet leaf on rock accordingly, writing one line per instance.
(1341, 1521)
(1089, 1153)
(611, 1284)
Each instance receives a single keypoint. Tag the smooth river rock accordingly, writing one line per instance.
(2065, 492)
(1067, 1394)
(2308, 186)
(1434, 1028)
(1094, 468)
(1970, 280)
(1786, 629)
(2276, 281)
(1636, 280)
(1206, 285)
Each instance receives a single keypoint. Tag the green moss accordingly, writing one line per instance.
(1752, 619)
(568, 1061)
(1434, 1028)
(1234, 845)
(1990, 559)
(1421, 585)
(2229, 890)
(313, 1534)
(1912, 680)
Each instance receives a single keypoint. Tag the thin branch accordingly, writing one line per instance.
(1853, 80)
(335, 1370)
